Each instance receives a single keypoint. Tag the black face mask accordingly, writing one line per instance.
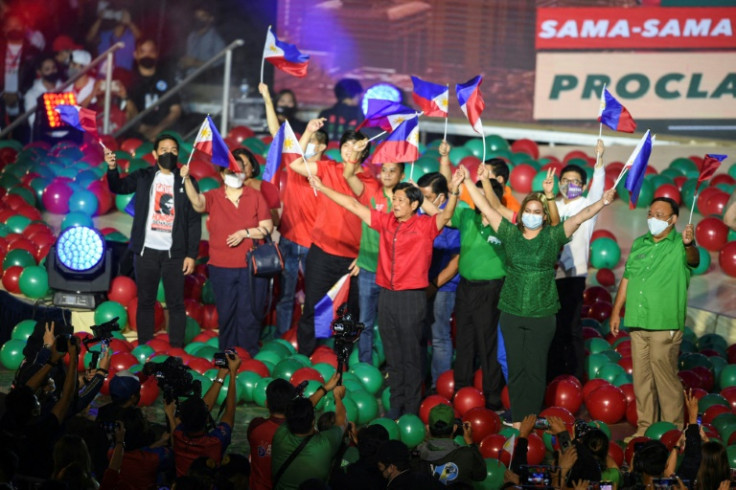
(14, 35)
(51, 77)
(286, 112)
(147, 62)
(201, 24)
(167, 161)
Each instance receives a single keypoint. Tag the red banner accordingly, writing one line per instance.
(638, 27)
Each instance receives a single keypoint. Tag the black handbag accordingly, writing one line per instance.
(264, 260)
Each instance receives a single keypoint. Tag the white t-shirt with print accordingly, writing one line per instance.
(160, 221)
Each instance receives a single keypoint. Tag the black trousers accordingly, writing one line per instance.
(322, 271)
(150, 267)
(476, 321)
(400, 322)
(567, 352)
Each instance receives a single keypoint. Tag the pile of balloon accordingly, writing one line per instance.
(68, 183)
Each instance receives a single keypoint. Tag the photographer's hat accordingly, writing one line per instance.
(124, 385)
(442, 413)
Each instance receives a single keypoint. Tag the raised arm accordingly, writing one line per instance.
(548, 186)
(445, 215)
(445, 165)
(573, 223)
(300, 165)
(491, 196)
(349, 173)
(210, 398)
(599, 175)
(494, 217)
(117, 184)
(349, 203)
(233, 363)
(691, 251)
(196, 198)
(271, 119)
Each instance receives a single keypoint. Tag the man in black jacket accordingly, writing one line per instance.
(164, 239)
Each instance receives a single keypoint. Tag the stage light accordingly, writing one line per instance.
(50, 101)
(383, 91)
(79, 266)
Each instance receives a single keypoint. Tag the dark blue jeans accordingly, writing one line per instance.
(294, 256)
(239, 308)
(368, 297)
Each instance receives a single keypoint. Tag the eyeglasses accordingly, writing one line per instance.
(659, 216)
(573, 181)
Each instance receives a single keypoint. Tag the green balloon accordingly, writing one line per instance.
(688, 192)
(160, 295)
(610, 371)
(285, 369)
(369, 375)
(598, 424)
(612, 355)
(326, 370)
(496, 143)
(539, 179)
(223, 391)
(137, 164)
(694, 359)
(192, 329)
(208, 295)
(423, 166)
(494, 476)
(411, 430)
(604, 253)
(386, 399)
(17, 223)
(193, 347)
(670, 173)
(623, 379)
(517, 158)
(20, 257)
(704, 264)
(352, 385)
(458, 153)
(268, 355)
(657, 429)
(712, 341)
(727, 377)
(208, 183)
(310, 389)
(34, 282)
(475, 146)
(208, 351)
(718, 364)
(596, 345)
(711, 399)
(76, 218)
(287, 344)
(366, 404)
(334, 154)
(683, 165)
(391, 427)
(23, 330)
(723, 421)
(276, 347)
(122, 200)
(658, 179)
(8, 180)
(111, 309)
(301, 359)
(594, 362)
(116, 236)
(11, 354)
(142, 353)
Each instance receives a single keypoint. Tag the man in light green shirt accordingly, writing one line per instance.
(654, 290)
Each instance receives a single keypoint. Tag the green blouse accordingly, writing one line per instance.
(529, 289)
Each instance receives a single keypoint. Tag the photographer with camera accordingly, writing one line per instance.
(190, 438)
(31, 433)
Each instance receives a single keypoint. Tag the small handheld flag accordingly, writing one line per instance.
(209, 141)
(386, 115)
(431, 98)
(284, 56)
(707, 169)
(471, 101)
(614, 115)
(326, 309)
(284, 149)
(637, 165)
(401, 146)
(79, 118)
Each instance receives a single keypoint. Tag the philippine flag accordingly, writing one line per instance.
(401, 146)
(471, 101)
(79, 118)
(614, 115)
(637, 165)
(386, 114)
(210, 142)
(326, 310)
(708, 168)
(285, 56)
(284, 148)
(430, 97)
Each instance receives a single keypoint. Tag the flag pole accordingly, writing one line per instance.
(191, 153)
(483, 134)
(692, 208)
(263, 57)
(623, 171)
(444, 136)
(377, 136)
(411, 172)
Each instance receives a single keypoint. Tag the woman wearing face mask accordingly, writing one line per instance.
(529, 299)
(285, 106)
(238, 214)
(252, 170)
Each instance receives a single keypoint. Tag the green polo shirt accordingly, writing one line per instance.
(374, 197)
(530, 289)
(314, 461)
(658, 274)
(481, 252)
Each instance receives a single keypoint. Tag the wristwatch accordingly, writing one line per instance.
(456, 193)
(247, 233)
(219, 380)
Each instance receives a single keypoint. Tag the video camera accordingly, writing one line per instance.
(347, 332)
(103, 334)
(174, 379)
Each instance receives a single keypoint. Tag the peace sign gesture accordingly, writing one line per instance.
(548, 185)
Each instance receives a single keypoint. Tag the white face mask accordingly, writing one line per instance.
(657, 226)
(532, 221)
(234, 180)
(311, 150)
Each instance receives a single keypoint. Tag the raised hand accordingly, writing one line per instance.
(315, 124)
(48, 335)
(184, 171)
(609, 196)
(457, 179)
(688, 234)
(110, 159)
(527, 425)
(548, 185)
(316, 183)
(444, 148)
(263, 90)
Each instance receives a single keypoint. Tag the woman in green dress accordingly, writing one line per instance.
(529, 299)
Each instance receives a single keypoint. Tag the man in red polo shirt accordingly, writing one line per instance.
(404, 256)
(335, 234)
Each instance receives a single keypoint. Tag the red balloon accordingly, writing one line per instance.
(689, 379)
(200, 364)
(564, 393)
(716, 203)
(624, 348)
(727, 259)
(105, 198)
(306, 374)
(560, 412)
(590, 332)
(679, 182)
(468, 398)
(239, 133)
(526, 146)
(324, 354)
(193, 309)
(616, 453)
(290, 336)
(446, 384)
(23, 243)
(257, 367)
(159, 345)
(11, 278)
(591, 386)
(575, 154)
(714, 411)
(729, 394)
(122, 289)
(193, 286)
(209, 317)
(631, 447)
(149, 392)
(483, 422)
(601, 310)
(130, 145)
(120, 345)
(706, 376)
(478, 380)
(596, 293)
(492, 447)
(627, 363)
(522, 177)
(505, 400)
(606, 277)
(628, 390)
(607, 404)
(703, 197)
(669, 190)
(123, 360)
(535, 451)
(711, 234)
(429, 403)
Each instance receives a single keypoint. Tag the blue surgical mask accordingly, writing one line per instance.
(532, 221)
